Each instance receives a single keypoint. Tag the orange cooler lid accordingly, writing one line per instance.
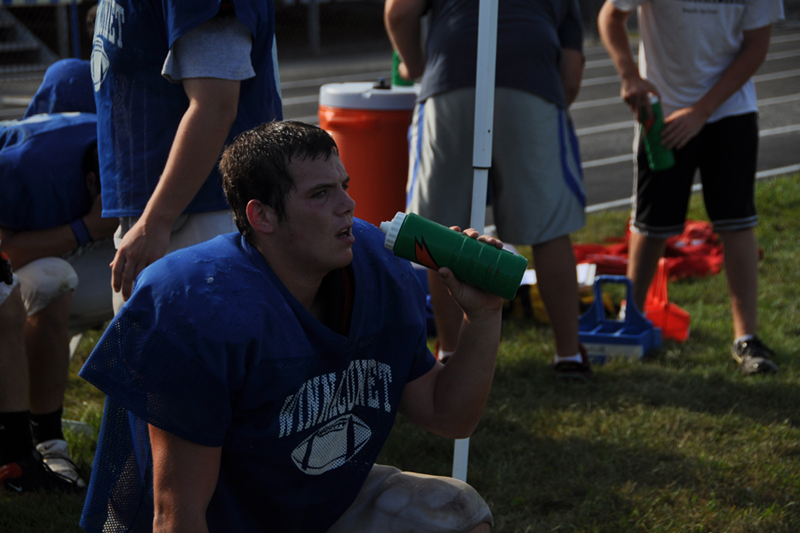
(365, 95)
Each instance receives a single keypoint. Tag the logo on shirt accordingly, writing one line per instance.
(107, 29)
(328, 401)
(332, 445)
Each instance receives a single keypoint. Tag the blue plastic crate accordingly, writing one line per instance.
(604, 339)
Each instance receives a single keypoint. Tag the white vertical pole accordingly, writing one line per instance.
(461, 459)
(481, 155)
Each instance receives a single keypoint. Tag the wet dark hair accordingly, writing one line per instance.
(256, 165)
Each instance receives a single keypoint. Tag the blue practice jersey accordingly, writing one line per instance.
(139, 110)
(66, 87)
(42, 182)
(213, 348)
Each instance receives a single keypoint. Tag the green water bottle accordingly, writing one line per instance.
(397, 80)
(432, 245)
(659, 157)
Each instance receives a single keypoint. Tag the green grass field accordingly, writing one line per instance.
(680, 442)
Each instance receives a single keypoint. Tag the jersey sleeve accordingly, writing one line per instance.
(149, 362)
(219, 48)
(423, 362)
(762, 13)
(180, 17)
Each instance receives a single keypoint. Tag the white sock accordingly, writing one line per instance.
(576, 358)
(743, 338)
(443, 353)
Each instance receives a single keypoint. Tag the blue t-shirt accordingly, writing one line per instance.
(67, 86)
(213, 348)
(42, 182)
(139, 110)
(530, 37)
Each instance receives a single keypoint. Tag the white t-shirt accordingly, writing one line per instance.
(686, 46)
(217, 48)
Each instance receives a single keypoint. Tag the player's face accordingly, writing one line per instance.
(319, 215)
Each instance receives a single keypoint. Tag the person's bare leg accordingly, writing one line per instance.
(558, 284)
(14, 391)
(47, 346)
(741, 268)
(643, 255)
(483, 528)
(446, 313)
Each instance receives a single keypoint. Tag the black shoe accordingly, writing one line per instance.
(753, 357)
(33, 475)
(574, 369)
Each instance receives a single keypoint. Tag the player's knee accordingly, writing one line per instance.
(440, 503)
(44, 281)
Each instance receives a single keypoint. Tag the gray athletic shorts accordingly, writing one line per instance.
(399, 502)
(536, 182)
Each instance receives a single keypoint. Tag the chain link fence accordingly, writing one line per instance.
(35, 33)
(306, 29)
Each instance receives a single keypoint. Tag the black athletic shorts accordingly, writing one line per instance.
(725, 153)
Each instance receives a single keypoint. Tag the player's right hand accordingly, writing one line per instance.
(634, 92)
(142, 244)
(473, 301)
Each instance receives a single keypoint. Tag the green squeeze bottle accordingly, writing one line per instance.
(659, 157)
(432, 245)
(397, 80)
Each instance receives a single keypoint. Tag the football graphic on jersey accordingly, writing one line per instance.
(332, 445)
(99, 63)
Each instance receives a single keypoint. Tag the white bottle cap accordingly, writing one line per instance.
(392, 229)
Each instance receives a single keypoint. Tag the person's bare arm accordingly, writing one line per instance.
(22, 247)
(611, 24)
(571, 73)
(449, 399)
(213, 105)
(403, 25)
(184, 479)
(682, 125)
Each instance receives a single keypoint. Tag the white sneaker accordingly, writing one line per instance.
(55, 455)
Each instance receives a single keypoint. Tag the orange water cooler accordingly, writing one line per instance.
(369, 122)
